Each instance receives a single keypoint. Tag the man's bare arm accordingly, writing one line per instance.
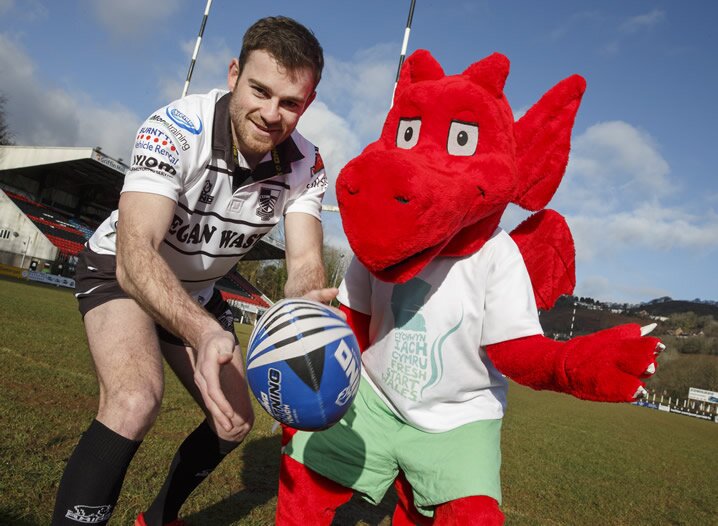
(303, 240)
(146, 277)
(144, 274)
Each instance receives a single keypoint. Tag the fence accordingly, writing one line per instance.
(681, 406)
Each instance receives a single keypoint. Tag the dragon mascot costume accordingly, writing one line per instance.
(444, 302)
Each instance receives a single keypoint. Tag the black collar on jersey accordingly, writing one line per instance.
(280, 162)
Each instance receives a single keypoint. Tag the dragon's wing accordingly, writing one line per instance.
(546, 245)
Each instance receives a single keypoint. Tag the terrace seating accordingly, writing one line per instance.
(54, 225)
(236, 287)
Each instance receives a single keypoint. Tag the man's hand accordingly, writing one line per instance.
(321, 295)
(214, 350)
(325, 296)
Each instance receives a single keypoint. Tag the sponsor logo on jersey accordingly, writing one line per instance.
(154, 140)
(174, 130)
(232, 239)
(194, 233)
(321, 180)
(151, 163)
(318, 168)
(183, 121)
(267, 200)
(318, 162)
(206, 196)
(191, 233)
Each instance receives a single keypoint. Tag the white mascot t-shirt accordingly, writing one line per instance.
(427, 358)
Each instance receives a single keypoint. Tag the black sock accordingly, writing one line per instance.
(196, 458)
(93, 477)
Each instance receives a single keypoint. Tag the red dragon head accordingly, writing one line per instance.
(449, 160)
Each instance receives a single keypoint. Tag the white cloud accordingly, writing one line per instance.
(6, 5)
(337, 142)
(361, 89)
(575, 22)
(615, 198)
(649, 226)
(27, 10)
(210, 71)
(645, 21)
(610, 289)
(132, 17)
(631, 26)
(613, 165)
(39, 114)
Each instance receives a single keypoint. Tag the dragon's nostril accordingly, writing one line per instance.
(403, 200)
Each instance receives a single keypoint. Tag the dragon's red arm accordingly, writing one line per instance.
(359, 324)
(605, 366)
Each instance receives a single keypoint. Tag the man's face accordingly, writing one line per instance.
(267, 101)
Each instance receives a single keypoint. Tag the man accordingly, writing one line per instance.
(211, 174)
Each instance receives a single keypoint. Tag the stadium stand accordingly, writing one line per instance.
(53, 224)
(235, 287)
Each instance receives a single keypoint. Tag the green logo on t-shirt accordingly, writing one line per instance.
(413, 368)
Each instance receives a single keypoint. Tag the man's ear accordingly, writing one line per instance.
(233, 74)
(310, 100)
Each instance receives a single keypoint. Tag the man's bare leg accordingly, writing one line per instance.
(128, 363)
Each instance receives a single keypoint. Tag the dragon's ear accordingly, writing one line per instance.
(420, 65)
(543, 141)
(490, 73)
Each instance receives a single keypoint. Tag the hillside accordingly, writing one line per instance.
(589, 318)
(593, 316)
(670, 307)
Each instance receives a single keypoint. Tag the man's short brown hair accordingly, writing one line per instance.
(291, 44)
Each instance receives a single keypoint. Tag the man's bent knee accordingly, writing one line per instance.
(130, 413)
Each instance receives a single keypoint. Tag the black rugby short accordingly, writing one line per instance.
(96, 283)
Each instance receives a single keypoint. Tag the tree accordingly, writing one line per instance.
(5, 135)
(271, 277)
(249, 269)
(335, 263)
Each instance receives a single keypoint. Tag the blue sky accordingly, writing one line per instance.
(641, 191)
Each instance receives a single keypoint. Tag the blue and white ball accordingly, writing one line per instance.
(303, 364)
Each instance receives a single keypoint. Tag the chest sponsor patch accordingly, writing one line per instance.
(267, 201)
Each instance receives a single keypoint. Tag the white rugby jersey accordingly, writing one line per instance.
(427, 358)
(184, 151)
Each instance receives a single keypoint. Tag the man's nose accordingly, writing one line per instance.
(270, 111)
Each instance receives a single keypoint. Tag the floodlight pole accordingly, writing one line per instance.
(196, 47)
(404, 46)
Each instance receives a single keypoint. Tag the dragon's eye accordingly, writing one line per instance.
(463, 138)
(408, 133)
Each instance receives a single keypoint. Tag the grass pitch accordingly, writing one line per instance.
(565, 461)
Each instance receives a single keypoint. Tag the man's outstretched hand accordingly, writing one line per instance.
(214, 350)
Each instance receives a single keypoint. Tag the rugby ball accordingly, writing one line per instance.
(303, 364)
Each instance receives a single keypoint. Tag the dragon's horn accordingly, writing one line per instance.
(490, 73)
(420, 65)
